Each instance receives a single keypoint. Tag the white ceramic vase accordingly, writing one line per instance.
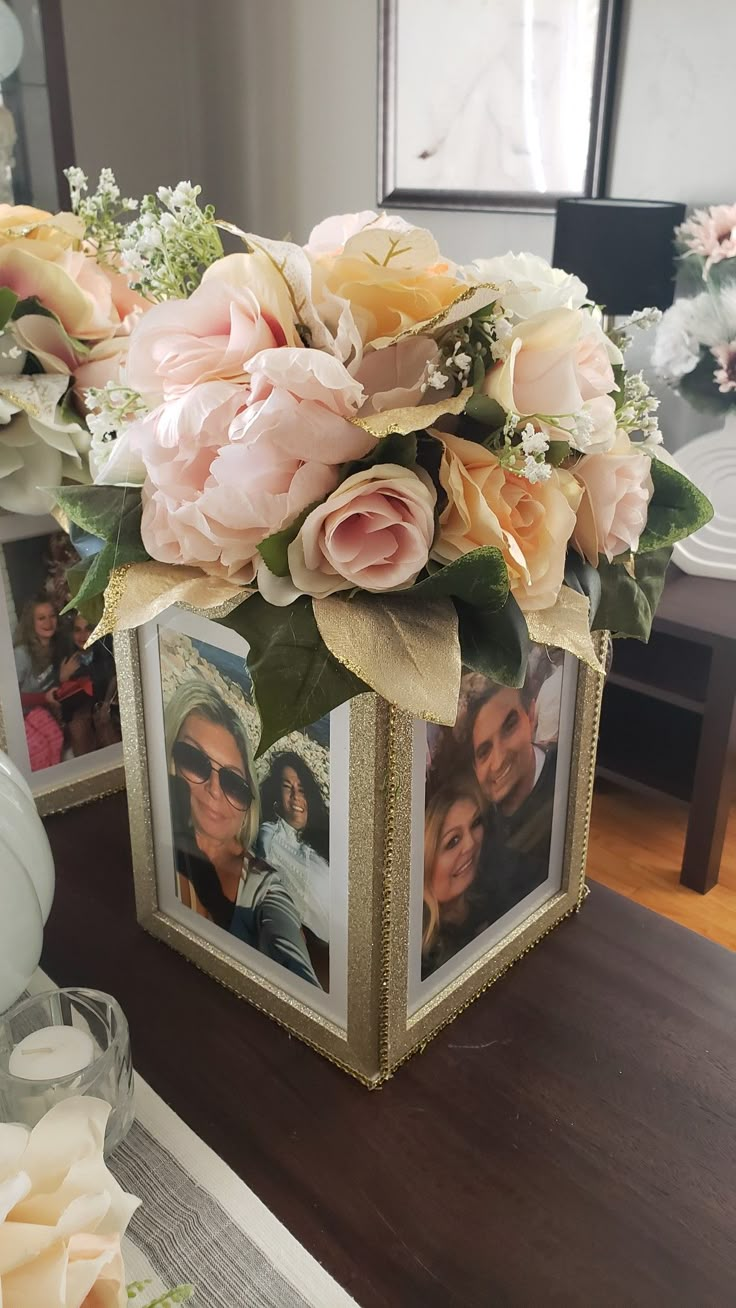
(26, 883)
(710, 461)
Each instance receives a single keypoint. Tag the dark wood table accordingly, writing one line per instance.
(569, 1140)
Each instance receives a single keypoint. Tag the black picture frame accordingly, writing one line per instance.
(603, 88)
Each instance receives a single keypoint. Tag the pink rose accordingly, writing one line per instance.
(102, 365)
(392, 377)
(211, 336)
(557, 360)
(617, 488)
(374, 531)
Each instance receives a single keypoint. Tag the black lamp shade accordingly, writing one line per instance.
(622, 249)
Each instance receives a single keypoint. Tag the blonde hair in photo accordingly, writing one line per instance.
(437, 807)
(196, 696)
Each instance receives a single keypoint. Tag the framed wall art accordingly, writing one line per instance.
(490, 105)
(363, 879)
(59, 714)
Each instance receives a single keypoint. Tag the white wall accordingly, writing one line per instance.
(134, 86)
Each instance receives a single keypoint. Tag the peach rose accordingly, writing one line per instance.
(62, 1213)
(392, 276)
(557, 360)
(209, 337)
(531, 523)
(617, 487)
(374, 532)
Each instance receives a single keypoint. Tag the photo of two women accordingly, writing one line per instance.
(68, 693)
(489, 800)
(251, 840)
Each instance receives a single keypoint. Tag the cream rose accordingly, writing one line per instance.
(529, 285)
(62, 1213)
(557, 361)
(617, 487)
(374, 531)
(531, 523)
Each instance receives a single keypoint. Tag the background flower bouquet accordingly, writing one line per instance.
(374, 464)
(66, 312)
(695, 349)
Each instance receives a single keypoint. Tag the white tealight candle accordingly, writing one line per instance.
(51, 1053)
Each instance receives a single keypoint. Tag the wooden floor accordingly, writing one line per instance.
(636, 848)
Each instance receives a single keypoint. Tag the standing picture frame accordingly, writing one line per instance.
(368, 1001)
(484, 105)
(59, 719)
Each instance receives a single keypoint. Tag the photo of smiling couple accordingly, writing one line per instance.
(250, 838)
(490, 787)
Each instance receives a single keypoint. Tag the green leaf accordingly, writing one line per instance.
(677, 508)
(585, 579)
(113, 513)
(495, 643)
(558, 452)
(393, 448)
(296, 680)
(628, 604)
(90, 608)
(479, 579)
(8, 301)
(486, 411)
(274, 550)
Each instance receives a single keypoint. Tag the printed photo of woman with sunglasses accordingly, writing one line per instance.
(216, 816)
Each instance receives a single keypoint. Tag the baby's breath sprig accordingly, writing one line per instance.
(637, 408)
(522, 450)
(104, 212)
(112, 407)
(640, 320)
(166, 250)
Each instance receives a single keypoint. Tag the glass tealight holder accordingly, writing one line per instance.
(63, 1043)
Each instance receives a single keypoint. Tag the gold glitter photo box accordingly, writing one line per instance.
(365, 879)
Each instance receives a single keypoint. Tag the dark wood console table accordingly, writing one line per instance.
(668, 723)
(567, 1141)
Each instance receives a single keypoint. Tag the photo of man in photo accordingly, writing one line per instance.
(489, 806)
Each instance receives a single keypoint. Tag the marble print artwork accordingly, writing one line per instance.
(494, 95)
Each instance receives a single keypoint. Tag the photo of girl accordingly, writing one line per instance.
(68, 694)
(251, 841)
(489, 800)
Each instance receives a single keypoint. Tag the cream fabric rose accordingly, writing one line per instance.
(374, 531)
(557, 361)
(617, 489)
(529, 285)
(531, 523)
(62, 1213)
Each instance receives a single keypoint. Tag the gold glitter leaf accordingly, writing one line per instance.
(416, 418)
(407, 652)
(567, 626)
(138, 592)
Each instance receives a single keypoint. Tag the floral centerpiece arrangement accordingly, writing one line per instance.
(66, 311)
(63, 1215)
(373, 463)
(695, 348)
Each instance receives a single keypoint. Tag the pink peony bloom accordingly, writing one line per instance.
(215, 489)
(710, 233)
(374, 531)
(725, 373)
(211, 336)
(617, 488)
